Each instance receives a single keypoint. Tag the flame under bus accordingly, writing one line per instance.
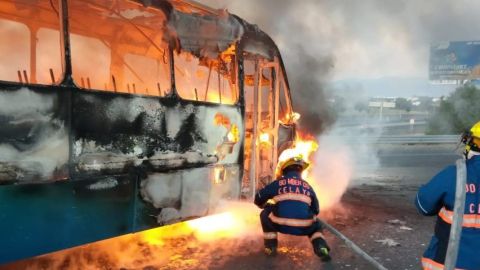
(120, 116)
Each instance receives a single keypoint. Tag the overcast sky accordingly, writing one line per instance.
(366, 39)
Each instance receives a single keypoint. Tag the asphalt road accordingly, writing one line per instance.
(376, 212)
(385, 193)
(409, 164)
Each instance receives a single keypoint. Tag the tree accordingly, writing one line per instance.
(403, 104)
(456, 113)
(361, 106)
(426, 104)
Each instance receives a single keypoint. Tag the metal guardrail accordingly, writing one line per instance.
(405, 139)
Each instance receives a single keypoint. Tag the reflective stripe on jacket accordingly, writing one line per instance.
(437, 197)
(296, 204)
(429, 264)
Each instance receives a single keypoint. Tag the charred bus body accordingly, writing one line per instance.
(119, 116)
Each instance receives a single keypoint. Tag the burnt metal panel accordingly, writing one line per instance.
(118, 133)
(184, 194)
(41, 218)
(205, 35)
(254, 40)
(34, 134)
(109, 134)
(286, 137)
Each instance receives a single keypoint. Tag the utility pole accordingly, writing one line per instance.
(381, 109)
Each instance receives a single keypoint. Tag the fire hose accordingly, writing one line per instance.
(458, 210)
(352, 245)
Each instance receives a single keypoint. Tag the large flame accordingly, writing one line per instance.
(238, 220)
(209, 228)
(330, 167)
(194, 244)
(305, 145)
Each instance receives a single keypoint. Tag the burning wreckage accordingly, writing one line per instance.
(118, 116)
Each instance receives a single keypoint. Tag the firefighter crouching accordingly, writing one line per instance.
(295, 209)
(437, 197)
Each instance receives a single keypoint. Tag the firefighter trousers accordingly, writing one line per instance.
(270, 229)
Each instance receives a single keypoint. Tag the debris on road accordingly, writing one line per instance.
(389, 242)
(396, 222)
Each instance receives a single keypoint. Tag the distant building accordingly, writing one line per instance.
(382, 102)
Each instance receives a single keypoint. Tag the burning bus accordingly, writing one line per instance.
(119, 116)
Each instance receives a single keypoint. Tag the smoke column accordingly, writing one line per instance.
(332, 171)
(308, 68)
(328, 40)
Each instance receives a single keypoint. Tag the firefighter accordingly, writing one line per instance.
(294, 210)
(437, 197)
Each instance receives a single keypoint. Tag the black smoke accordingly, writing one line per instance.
(330, 40)
(307, 68)
(307, 75)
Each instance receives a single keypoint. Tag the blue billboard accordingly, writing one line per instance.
(456, 60)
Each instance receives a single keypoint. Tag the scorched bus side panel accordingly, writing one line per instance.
(34, 133)
(180, 150)
(136, 163)
(139, 123)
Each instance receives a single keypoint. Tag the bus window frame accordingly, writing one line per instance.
(60, 80)
(287, 94)
(68, 78)
(235, 90)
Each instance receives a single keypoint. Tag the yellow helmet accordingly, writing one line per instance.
(475, 130)
(471, 138)
(297, 160)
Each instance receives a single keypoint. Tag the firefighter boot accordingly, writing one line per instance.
(321, 249)
(270, 247)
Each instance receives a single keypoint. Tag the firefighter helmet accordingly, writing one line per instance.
(295, 161)
(471, 139)
(476, 130)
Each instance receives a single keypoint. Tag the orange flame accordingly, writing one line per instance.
(330, 176)
(234, 134)
(222, 225)
(305, 145)
(265, 138)
(221, 120)
(290, 118)
(234, 223)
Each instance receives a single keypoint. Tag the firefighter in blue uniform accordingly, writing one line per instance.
(437, 197)
(294, 210)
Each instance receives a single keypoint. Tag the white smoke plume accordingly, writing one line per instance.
(332, 171)
(343, 157)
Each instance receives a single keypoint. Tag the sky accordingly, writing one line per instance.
(378, 42)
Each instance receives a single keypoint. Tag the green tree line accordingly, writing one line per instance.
(456, 113)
